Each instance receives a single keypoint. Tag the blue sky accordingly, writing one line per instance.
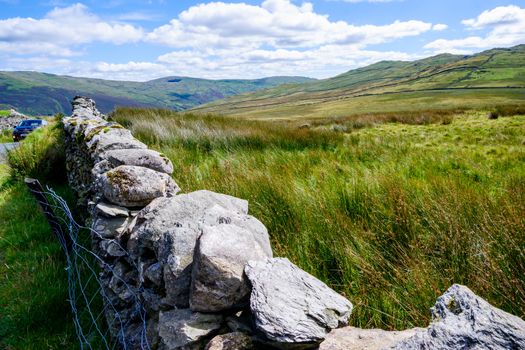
(142, 40)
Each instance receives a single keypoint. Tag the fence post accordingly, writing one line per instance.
(37, 191)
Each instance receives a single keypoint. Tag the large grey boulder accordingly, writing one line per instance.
(140, 157)
(291, 308)
(218, 280)
(351, 338)
(134, 186)
(169, 228)
(184, 329)
(462, 320)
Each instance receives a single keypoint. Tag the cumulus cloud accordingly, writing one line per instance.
(439, 27)
(278, 23)
(505, 26)
(61, 29)
(216, 40)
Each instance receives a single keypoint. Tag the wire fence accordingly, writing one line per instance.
(103, 318)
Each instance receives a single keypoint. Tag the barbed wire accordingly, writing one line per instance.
(100, 322)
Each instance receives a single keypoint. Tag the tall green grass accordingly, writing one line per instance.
(34, 309)
(390, 214)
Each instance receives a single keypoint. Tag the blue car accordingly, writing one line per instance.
(25, 127)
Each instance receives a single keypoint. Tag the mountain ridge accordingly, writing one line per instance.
(45, 93)
(496, 69)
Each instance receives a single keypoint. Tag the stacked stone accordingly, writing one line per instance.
(200, 265)
(203, 269)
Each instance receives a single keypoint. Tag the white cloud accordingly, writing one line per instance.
(214, 40)
(275, 23)
(505, 25)
(61, 29)
(439, 27)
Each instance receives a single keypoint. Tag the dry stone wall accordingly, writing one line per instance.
(196, 271)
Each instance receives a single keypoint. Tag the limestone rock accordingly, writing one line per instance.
(85, 107)
(217, 215)
(218, 281)
(292, 308)
(111, 248)
(140, 157)
(184, 329)
(112, 139)
(462, 320)
(231, 341)
(351, 338)
(169, 228)
(133, 186)
(111, 210)
(105, 227)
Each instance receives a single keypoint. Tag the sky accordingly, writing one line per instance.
(143, 40)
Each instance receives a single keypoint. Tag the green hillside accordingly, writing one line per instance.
(489, 78)
(41, 93)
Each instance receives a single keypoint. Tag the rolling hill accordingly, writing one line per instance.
(42, 93)
(493, 77)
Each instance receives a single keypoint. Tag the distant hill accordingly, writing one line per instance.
(42, 93)
(491, 77)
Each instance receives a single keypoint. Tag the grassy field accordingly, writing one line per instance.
(388, 209)
(492, 77)
(34, 311)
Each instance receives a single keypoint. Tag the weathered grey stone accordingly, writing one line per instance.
(111, 210)
(169, 228)
(84, 107)
(217, 215)
(133, 186)
(112, 139)
(351, 338)
(140, 157)
(462, 320)
(218, 281)
(108, 227)
(111, 248)
(292, 308)
(154, 273)
(231, 341)
(184, 329)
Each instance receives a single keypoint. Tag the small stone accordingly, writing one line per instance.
(105, 227)
(111, 248)
(292, 307)
(183, 328)
(111, 210)
(231, 341)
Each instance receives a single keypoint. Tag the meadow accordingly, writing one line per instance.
(389, 209)
(34, 309)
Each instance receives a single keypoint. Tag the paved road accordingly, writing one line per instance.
(4, 147)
